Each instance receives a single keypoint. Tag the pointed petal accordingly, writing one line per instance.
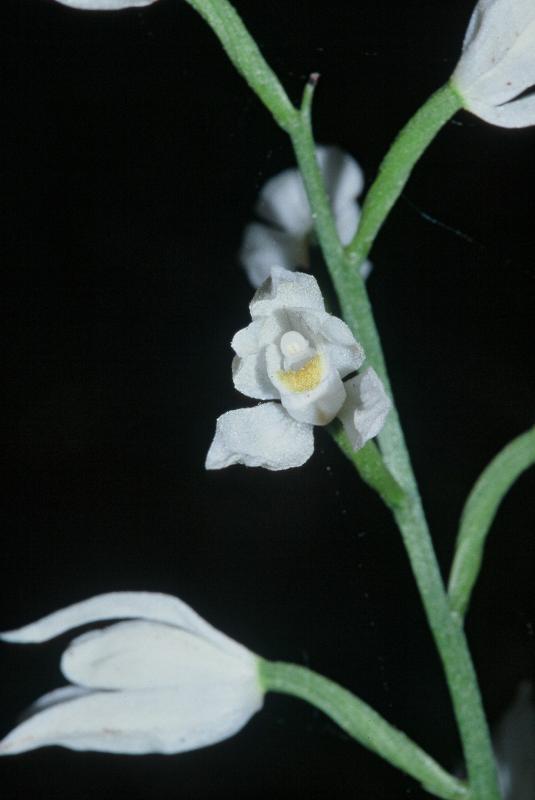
(366, 408)
(124, 605)
(104, 5)
(264, 247)
(283, 202)
(145, 721)
(149, 655)
(262, 436)
(285, 289)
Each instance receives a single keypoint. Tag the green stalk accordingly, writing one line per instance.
(448, 635)
(405, 151)
(479, 512)
(408, 147)
(363, 724)
(243, 51)
(371, 467)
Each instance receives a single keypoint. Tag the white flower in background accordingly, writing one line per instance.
(164, 682)
(514, 744)
(498, 63)
(283, 204)
(104, 5)
(294, 352)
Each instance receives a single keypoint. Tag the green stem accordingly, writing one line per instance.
(479, 512)
(448, 635)
(363, 724)
(371, 467)
(243, 51)
(397, 165)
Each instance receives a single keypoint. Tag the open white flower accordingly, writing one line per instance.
(284, 205)
(498, 63)
(294, 352)
(164, 682)
(105, 5)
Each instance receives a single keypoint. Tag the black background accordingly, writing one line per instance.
(131, 157)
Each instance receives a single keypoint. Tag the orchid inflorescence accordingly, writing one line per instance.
(162, 679)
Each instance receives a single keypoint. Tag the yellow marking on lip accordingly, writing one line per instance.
(304, 379)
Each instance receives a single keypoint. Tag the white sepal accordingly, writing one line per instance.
(152, 606)
(286, 290)
(147, 655)
(145, 721)
(262, 436)
(366, 408)
(498, 63)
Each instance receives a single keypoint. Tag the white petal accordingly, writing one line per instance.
(493, 29)
(145, 721)
(518, 114)
(263, 436)
(344, 352)
(264, 247)
(283, 202)
(285, 289)
(346, 220)
(54, 697)
(315, 406)
(124, 605)
(343, 182)
(249, 367)
(498, 60)
(366, 408)
(148, 655)
(251, 379)
(104, 5)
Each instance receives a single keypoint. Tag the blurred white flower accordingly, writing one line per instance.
(104, 5)
(514, 745)
(498, 63)
(283, 203)
(165, 682)
(295, 352)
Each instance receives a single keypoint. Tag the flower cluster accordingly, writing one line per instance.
(164, 682)
(498, 63)
(283, 204)
(297, 354)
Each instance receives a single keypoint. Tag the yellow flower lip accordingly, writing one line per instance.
(304, 379)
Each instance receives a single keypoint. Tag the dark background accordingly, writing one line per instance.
(131, 157)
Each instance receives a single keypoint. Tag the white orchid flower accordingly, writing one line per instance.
(104, 5)
(164, 682)
(284, 205)
(296, 353)
(498, 63)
